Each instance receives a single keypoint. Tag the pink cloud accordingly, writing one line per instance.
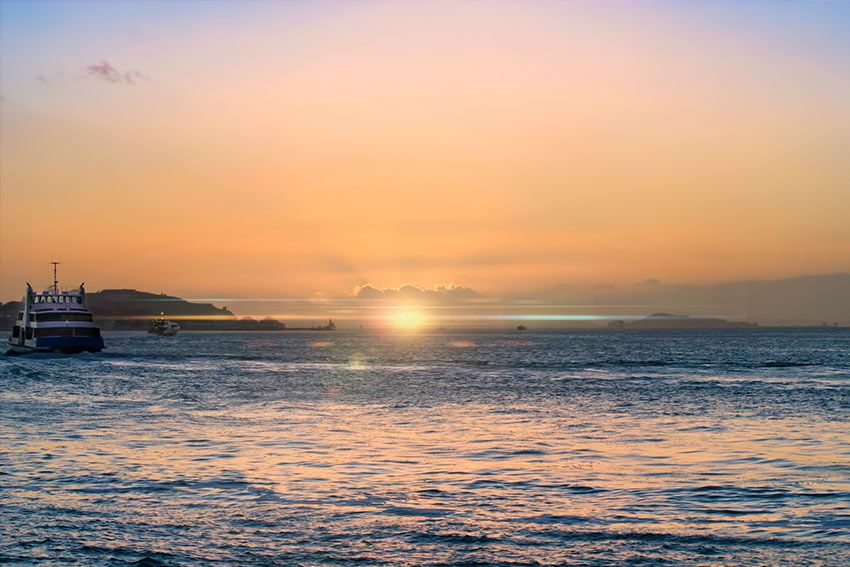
(105, 71)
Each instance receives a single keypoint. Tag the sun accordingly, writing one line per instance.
(407, 319)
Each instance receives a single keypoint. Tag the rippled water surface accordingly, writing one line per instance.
(553, 448)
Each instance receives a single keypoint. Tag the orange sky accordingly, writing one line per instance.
(264, 149)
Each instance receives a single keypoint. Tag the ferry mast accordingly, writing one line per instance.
(55, 281)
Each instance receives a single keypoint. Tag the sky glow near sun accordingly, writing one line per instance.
(262, 149)
(408, 319)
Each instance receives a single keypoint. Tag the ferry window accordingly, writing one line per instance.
(29, 332)
(64, 316)
(21, 316)
(54, 332)
(16, 332)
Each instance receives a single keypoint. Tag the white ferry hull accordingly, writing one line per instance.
(169, 333)
(164, 328)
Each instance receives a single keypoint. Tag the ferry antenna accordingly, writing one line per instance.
(55, 281)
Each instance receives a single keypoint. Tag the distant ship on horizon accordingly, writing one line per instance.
(54, 321)
(163, 327)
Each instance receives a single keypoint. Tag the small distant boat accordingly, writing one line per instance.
(54, 321)
(521, 328)
(163, 327)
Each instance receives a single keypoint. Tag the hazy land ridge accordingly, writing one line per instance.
(805, 300)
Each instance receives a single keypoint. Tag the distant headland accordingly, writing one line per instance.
(670, 321)
(130, 309)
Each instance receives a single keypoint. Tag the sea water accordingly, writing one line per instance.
(698, 447)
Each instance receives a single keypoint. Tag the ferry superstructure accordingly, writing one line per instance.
(54, 321)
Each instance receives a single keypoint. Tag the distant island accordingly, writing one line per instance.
(130, 309)
(670, 321)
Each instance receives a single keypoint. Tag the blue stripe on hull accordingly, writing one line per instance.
(68, 345)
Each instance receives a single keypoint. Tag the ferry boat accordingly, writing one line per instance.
(55, 321)
(164, 327)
